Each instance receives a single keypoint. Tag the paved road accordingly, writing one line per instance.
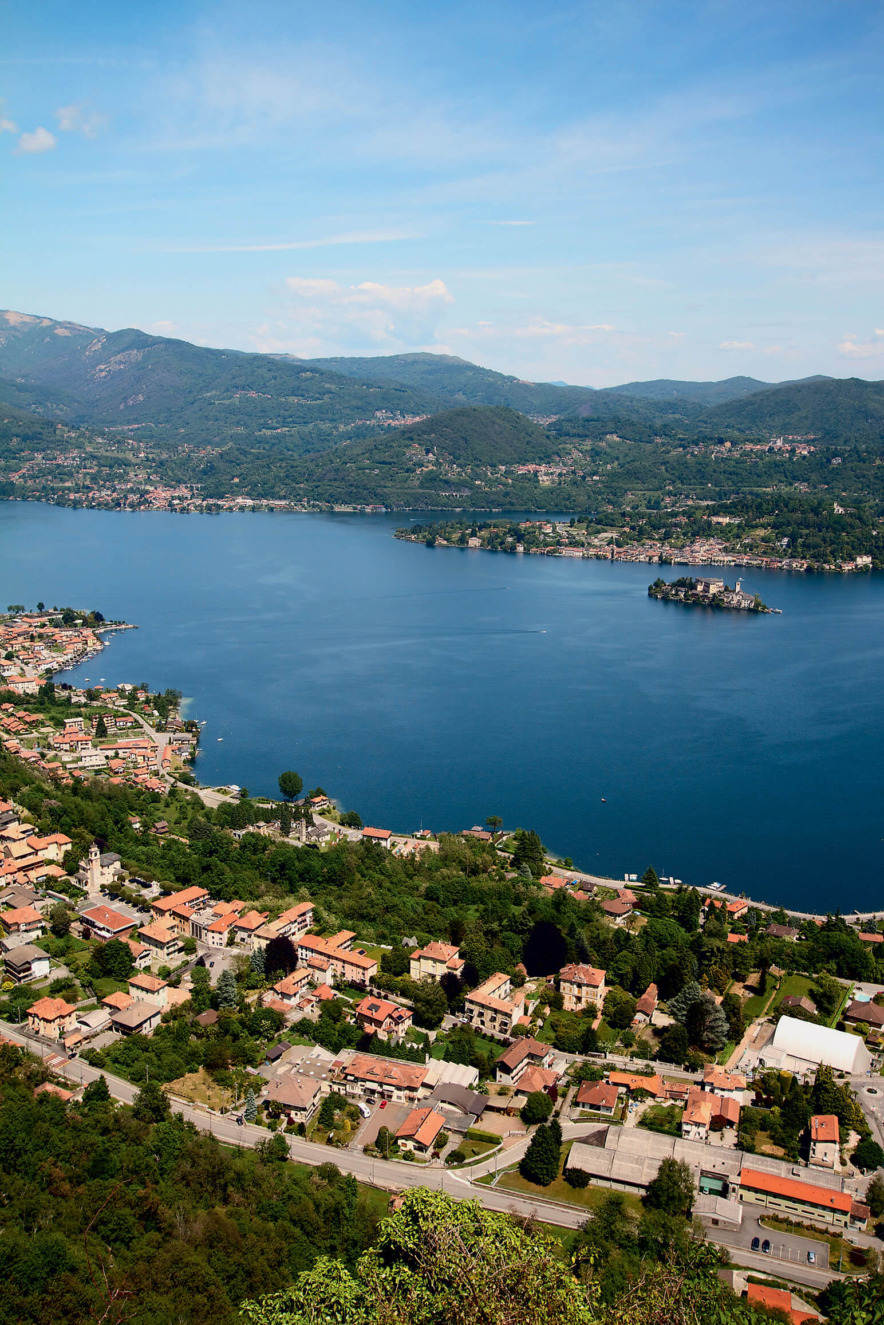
(380, 1173)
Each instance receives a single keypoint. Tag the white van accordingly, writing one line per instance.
(364, 1109)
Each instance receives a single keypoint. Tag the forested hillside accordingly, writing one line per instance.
(455, 382)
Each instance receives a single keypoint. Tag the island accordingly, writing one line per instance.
(702, 592)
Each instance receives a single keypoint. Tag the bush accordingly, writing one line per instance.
(456, 1157)
(576, 1177)
(537, 1108)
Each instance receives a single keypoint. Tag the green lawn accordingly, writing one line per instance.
(796, 986)
(472, 1149)
(589, 1197)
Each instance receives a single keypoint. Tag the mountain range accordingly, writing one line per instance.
(171, 391)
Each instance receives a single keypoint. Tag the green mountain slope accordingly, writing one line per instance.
(456, 382)
(839, 410)
(701, 393)
(172, 390)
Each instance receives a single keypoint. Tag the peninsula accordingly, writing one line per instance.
(703, 592)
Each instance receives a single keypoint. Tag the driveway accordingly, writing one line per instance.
(392, 1117)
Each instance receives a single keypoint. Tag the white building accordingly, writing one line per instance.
(799, 1046)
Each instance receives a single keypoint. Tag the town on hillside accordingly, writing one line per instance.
(480, 1006)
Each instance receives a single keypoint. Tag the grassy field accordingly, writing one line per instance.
(795, 986)
(472, 1149)
(199, 1088)
(588, 1197)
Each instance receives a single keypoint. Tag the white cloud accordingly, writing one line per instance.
(355, 237)
(80, 118)
(326, 317)
(41, 140)
(736, 345)
(853, 348)
(562, 332)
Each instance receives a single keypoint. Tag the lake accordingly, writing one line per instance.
(435, 687)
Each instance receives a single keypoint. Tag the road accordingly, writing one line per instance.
(379, 1173)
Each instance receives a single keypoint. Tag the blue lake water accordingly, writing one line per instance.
(435, 687)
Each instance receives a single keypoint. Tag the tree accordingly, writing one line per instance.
(827, 993)
(350, 819)
(619, 1008)
(528, 852)
(430, 1004)
(680, 1005)
(226, 991)
(100, 728)
(650, 879)
(280, 955)
(674, 1044)
(290, 784)
(438, 1262)
(96, 1092)
(672, 1191)
(537, 1108)
(151, 1104)
(250, 1108)
(707, 1024)
(257, 961)
(117, 959)
(494, 823)
(540, 1164)
(868, 1155)
(329, 1107)
(875, 1196)
(733, 1010)
(60, 920)
(285, 820)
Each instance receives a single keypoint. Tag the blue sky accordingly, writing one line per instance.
(593, 192)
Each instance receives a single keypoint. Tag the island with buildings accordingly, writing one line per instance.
(707, 592)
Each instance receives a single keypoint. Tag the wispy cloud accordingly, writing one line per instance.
(326, 241)
(6, 125)
(41, 140)
(80, 118)
(737, 345)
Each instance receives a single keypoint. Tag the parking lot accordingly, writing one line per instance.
(391, 1116)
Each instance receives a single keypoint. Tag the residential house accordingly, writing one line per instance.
(434, 961)
(869, 1013)
(162, 941)
(103, 923)
(777, 1299)
(598, 1097)
(825, 1141)
(737, 908)
(117, 1001)
(245, 926)
(24, 963)
(729, 1084)
(382, 836)
(386, 1020)
(493, 1005)
(646, 1006)
(382, 1078)
(295, 921)
(191, 897)
(148, 987)
(52, 1018)
(519, 1056)
(140, 954)
(795, 1004)
(294, 1095)
(535, 1079)
(737, 938)
(419, 1131)
(697, 1116)
(467, 1106)
(618, 911)
(782, 932)
(633, 1082)
(293, 987)
(582, 987)
(140, 1018)
(22, 925)
(350, 965)
(870, 938)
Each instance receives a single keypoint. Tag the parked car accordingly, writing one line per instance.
(765, 1247)
(756, 1243)
(811, 1258)
(383, 1104)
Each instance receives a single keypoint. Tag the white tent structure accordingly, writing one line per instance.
(799, 1045)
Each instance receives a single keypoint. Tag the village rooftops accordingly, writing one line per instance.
(104, 917)
(292, 1091)
(20, 915)
(631, 1081)
(158, 933)
(524, 1048)
(118, 1001)
(698, 1110)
